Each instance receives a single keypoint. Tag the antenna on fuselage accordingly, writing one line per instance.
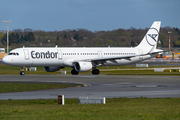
(56, 46)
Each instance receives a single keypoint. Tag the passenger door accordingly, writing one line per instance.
(140, 53)
(59, 54)
(26, 54)
(99, 54)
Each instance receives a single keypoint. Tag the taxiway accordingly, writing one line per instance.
(109, 86)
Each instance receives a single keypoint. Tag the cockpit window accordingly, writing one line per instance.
(10, 53)
(13, 53)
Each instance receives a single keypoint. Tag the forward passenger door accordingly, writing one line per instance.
(26, 54)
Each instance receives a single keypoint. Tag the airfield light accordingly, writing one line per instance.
(7, 36)
(169, 40)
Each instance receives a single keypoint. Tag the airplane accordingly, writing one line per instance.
(82, 59)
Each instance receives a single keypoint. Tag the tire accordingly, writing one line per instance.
(74, 72)
(95, 72)
(22, 73)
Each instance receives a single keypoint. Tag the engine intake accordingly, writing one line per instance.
(83, 66)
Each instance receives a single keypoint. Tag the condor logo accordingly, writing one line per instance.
(151, 37)
(46, 55)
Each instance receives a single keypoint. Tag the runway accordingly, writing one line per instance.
(109, 86)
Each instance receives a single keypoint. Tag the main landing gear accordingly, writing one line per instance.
(22, 71)
(95, 71)
(74, 72)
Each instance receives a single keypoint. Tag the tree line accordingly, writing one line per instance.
(85, 38)
(15, 38)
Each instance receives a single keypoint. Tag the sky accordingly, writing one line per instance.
(93, 15)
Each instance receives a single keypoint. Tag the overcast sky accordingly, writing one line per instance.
(94, 15)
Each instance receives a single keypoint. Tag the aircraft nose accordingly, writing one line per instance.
(6, 60)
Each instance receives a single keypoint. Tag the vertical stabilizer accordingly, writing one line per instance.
(151, 38)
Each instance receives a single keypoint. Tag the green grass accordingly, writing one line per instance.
(110, 70)
(114, 109)
(20, 87)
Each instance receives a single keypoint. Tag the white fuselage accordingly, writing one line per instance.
(56, 56)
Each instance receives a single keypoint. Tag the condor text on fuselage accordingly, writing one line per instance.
(45, 55)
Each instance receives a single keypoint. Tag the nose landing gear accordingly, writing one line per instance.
(22, 70)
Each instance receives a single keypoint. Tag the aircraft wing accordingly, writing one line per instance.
(110, 58)
(153, 51)
(113, 58)
(120, 57)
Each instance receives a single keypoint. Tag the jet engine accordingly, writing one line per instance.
(83, 66)
(52, 69)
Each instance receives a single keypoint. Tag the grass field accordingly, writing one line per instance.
(21, 87)
(110, 70)
(114, 109)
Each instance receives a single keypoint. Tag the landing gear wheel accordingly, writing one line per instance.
(95, 72)
(74, 72)
(22, 73)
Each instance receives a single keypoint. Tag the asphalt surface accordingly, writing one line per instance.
(109, 86)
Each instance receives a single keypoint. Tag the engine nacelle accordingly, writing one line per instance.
(83, 66)
(52, 69)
